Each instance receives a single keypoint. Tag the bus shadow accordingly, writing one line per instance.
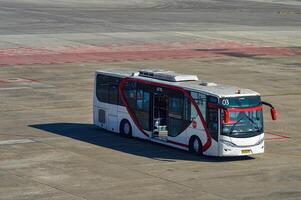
(90, 134)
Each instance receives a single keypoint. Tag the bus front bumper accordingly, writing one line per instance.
(227, 150)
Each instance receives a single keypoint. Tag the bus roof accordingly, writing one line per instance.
(189, 82)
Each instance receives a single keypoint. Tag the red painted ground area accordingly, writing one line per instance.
(123, 52)
(273, 136)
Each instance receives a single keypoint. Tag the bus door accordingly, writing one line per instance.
(142, 108)
(212, 118)
(178, 115)
(160, 114)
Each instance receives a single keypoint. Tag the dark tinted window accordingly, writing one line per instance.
(179, 113)
(107, 89)
(138, 98)
(200, 99)
(187, 109)
(241, 102)
(212, 118)
(212, 99)
(143, 100)
(143, 106)
(130, 93)
(102, 85)
(113, 94)
(176, 106)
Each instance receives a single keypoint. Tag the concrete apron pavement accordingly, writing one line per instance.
(50, 150)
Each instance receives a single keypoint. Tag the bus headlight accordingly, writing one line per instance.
(231, 144)
(260, 141)
(228, 143)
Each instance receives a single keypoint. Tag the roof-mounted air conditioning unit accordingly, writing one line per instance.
(167, 75)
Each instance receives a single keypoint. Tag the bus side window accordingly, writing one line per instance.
(130, 94)
(187, 110)
(212, 118)
(175, 114)
(113, 90)
(102, 87)
(107, 89)
(200, 100)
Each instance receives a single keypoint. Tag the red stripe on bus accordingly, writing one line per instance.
(121, 90)
(212, 105)
(245, 109)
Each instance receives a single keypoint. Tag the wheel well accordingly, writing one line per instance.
(191, 142)
(123, 121)
(192, 138)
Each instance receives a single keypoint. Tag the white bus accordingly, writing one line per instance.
(180, 111)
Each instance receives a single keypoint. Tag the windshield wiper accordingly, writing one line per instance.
(255, 125)
(251, 120)
(232, 128)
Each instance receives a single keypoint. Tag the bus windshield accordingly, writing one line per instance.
(245, 114)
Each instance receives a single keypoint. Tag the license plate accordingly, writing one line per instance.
(246, 151)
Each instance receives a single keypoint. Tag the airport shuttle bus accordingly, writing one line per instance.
(180, 111)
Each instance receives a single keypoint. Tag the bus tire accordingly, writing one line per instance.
(195, 145)
(125, 128)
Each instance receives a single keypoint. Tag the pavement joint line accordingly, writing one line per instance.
(131, 169)
(201, 36)
(165, 179)
(258, 40)
(46, 139)
(283, 94)
(9, 42)
(51, 186)
(25, 140)
(175, 182)
(287, 155)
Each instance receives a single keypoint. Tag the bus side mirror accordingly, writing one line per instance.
(274, 113)
(226, 116)
(273, 110)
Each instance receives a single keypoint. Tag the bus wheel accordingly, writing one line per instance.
(126, 128)
(195, 145)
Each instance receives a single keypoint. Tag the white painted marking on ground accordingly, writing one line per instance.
(15, 88)
(21, 141)
(24, 141)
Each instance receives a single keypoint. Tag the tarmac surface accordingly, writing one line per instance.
(49, 51)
